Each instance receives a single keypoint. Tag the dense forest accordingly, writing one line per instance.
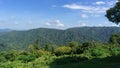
(75, 54)
(21, 39)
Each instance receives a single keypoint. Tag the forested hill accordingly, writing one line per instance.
(3, 31)
(21, 39)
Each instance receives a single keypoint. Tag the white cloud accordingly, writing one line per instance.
(100, 24)
(107, 24)
(48, 24)
(54, 23)
(112, 3)
(95, 8)
(100, 3)
(115, 25)
(84, 16)
(75, 6)
(87, 9)
(81, 24)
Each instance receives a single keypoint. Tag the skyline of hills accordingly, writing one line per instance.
(21, 39)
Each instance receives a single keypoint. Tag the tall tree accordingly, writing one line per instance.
(115, 39)
(113, 14)
(36, 45)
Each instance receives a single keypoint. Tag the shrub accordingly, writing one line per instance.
(62, 50)
(10, 57)
(115, 39)
(26, 58)
(2, 59)
(98, 51)
(39, 53)
(115, 51)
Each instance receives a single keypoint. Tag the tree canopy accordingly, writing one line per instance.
(113, 14)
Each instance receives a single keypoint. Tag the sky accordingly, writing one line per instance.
(58, 14)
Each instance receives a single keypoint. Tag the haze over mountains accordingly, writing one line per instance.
(21, 39)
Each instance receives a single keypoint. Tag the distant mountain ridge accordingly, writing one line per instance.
(21, 39)
(5, 30)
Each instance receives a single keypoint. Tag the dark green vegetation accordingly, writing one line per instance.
(21, 39)
(71, 55)
(113, 14)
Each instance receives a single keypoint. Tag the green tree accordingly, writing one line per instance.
(115, 51)
(62, 50)
(115, 39)
(97, 50)
(36, 45)
(26, 58)
(87, 45)
(113, 14)
(31, 48)
(74, 46)
(49, 47)
(11, 55)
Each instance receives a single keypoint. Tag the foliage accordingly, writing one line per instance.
(49, 47)
(2, 59)
(26, 58)
(39, 53)
(113, 14)
(115, 51)
(115, 39)
(10, 55)
(62, 50)
(96, 50)
(71, 53)
(73, 45)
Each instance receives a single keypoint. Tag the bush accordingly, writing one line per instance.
(10, 57)
(115, 39)
(115, 51)
(26, 58)
(63, 50)
(98, 51)
(2, 59)
(39, 53)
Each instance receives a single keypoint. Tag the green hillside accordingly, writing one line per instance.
(21, 39)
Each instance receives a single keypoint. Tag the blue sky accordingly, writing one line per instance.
(60, 14)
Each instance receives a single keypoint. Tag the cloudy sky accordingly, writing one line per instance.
(60, 14)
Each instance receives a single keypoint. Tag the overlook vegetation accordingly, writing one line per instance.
(85, 47)
(76, 47)
(72, 54)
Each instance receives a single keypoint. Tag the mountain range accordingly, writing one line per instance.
(14, 39)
